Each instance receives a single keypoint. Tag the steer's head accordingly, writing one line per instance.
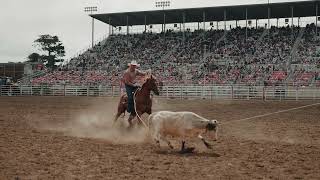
(212, 125)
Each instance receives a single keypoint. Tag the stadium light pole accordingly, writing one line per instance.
(90, 10)
(268, 14)
(163, 4)
(316, 19)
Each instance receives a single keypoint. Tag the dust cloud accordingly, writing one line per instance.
(95, 121)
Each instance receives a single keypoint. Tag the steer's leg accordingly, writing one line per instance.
(165, 140)
(209, 146)
(155, 135)
(185, 149)
(183, 146)
(168, 142)
(216, 134)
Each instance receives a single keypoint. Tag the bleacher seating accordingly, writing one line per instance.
(207, 57)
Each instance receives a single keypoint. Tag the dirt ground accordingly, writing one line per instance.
(71, 138)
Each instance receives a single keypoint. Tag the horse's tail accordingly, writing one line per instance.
(121, 109)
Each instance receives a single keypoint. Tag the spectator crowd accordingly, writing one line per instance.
(253, 57)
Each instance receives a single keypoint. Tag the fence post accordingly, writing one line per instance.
(314, 93)
(248, 97)
(88, 91)
(232, 92)
(202, 92)
(167, 92)
(181, 95)
(297, 94)
(211, 90)
(41, 90)
(112, 89)
(20, 89)
(264, 94)
(76, 90)
(31, 90)
(64, 90)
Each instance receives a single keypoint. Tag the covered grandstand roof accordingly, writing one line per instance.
(255, 11)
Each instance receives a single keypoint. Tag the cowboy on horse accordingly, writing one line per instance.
(131, 85)
(137, 100)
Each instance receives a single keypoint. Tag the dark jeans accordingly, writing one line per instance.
(130, 92)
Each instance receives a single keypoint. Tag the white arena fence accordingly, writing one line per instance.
(177, 92)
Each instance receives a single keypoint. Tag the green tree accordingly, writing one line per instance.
(34, 57)
(53, 47)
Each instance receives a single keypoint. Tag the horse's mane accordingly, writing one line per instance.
(146, 80)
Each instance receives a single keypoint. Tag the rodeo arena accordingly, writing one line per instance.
(223, 92)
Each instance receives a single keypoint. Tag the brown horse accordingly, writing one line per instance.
(143, 100)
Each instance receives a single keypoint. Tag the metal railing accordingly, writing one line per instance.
(181, 92)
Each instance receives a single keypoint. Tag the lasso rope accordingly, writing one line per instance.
(269, 114)
(135, 109)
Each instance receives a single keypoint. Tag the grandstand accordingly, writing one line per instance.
(13, 71)
(222, 47)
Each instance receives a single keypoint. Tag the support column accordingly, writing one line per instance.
(277, 22)
(292, 23)
(292, 16)
(298, 21)
(127, 25)
(198, 26)
(268, 22)
(164, 24)
(92, 32)
(246, 24)
(236, 23)
(127, 29)
(204, 20)
(224, 19)
(145, 23)
(317, 19)
(184, 26)
(256, 23)
(268, 17)
(110, 26)
(217, 25)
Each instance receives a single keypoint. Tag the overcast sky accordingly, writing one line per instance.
(22, 21)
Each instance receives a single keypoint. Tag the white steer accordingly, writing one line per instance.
(181, 123)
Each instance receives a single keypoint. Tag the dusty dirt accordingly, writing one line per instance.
(71, 138)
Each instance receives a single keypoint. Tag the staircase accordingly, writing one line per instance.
(223, 38)
(27, 79)
(296, 44)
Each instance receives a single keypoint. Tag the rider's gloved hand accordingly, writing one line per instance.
(137, 85)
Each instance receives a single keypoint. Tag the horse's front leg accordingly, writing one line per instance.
(131, 117)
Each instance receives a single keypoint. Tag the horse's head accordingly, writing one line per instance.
(151, 84)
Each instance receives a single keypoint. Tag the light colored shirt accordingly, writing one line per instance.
(129, 77)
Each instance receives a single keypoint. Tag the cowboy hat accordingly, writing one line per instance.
(133, 63)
